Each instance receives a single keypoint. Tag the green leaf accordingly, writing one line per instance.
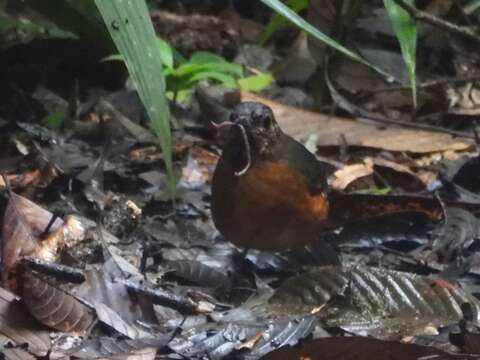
(180, 96)
(256, 82)
(379, 191)
(8, 23)
(132, 31)
(297, 20)
(166, 53)
(225, 79)
(277, 21)
(471, 7)
(183, 70)
(178, 58)
(54, 120)
(406, 31)
(113, 57)
(225, 67)
(193, 68)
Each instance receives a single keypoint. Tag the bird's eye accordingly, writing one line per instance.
(263, 121)
(266, 121)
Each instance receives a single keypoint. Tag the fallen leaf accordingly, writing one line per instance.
(381, 302)
(301, 124)
(350, 173)
(23, 226)
(54, 307)
(21, 180)
(19, 327)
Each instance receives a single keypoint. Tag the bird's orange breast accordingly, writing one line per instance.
(270, 207)
(274, 185)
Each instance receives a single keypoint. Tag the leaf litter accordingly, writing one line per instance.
(97, 262)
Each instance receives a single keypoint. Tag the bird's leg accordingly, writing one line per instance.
(242, 259)
(240, 282)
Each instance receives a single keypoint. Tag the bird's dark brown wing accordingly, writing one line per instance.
(314, 171)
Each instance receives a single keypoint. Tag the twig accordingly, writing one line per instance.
(430, 83)
(163, 297)
(61, 272)
(366, 116)
(411, 125)
(435, 21)
(52, 220)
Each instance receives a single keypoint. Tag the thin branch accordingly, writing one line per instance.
(436, 21)
(430, 83)
(163, 297)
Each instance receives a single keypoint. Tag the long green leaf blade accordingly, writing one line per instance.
(297, 20)
(277, 21)
(132, 31)
(406, 32)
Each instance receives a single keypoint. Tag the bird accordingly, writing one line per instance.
(268, 191)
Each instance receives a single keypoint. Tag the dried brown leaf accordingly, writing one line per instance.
(23, 225)
(114, 305)
(21, 180)
(19, 327)
(115, 320)
(350, 173)
(16, 353)
(55, 308)
(301, 124)
(379, 301)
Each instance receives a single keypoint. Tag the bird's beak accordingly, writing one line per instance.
(222, 125)
(222, 131)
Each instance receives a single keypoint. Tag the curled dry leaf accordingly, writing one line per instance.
(464, 100)
(425, 177)
(54, 307)
(24, 228)
(348, 174)
(23, 225)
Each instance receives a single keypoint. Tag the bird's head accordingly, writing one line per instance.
(250, 131)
